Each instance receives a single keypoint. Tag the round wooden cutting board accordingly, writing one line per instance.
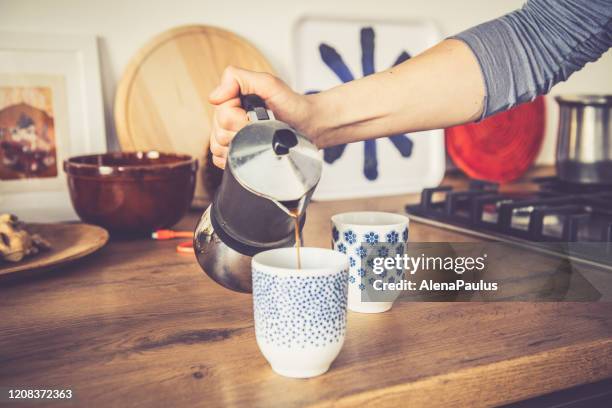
(162, 99)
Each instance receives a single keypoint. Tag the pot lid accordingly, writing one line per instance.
(271, 159)
(605, 100)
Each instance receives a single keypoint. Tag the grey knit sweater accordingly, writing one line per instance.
(524, 53)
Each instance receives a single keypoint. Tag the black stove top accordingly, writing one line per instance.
(556, 213)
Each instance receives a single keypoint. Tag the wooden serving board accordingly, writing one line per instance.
(162, 99)
(69, 242)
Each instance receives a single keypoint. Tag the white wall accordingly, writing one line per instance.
(124, 25)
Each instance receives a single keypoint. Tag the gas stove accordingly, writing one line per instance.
(559, 218)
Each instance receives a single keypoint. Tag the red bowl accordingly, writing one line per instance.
(135, 192)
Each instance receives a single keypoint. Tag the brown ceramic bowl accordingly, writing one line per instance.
(131, 192)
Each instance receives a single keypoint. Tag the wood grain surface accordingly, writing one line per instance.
(138, 325)
(68, 243)
(162, 98)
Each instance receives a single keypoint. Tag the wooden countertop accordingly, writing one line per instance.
(137, 324)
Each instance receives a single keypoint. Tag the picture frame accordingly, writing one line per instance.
(50, 109)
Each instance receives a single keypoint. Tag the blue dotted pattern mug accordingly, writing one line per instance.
(300, 311)
(300, 314)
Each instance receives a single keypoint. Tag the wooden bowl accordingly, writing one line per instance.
(131, 193)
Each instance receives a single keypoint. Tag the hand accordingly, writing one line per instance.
(287, 105)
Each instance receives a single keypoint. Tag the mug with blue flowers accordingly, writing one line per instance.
(367, 238)
(300, 312)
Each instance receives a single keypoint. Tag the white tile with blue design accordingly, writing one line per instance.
(330, 51)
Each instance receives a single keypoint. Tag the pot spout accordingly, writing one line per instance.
(293, 208)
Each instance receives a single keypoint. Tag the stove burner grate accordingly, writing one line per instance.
(556, 213)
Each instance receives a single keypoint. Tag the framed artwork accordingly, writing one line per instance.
(329, 52)
(50, 109)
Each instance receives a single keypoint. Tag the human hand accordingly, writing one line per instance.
(229, 117)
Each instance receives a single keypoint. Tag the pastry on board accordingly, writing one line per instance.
(16, 242)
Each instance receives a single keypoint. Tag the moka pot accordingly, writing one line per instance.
(269, 177)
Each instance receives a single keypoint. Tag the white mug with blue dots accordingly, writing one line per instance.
(364, 236)
(300, 314)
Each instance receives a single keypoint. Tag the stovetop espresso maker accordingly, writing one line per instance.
(269, 177)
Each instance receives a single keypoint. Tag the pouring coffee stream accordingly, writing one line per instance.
(271, 173)
(298, 240)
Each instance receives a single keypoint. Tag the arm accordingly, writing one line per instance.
(481, 71)
(441, 87)
(438, 88)
(524, 53)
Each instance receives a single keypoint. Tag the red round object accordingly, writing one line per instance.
(502, 147)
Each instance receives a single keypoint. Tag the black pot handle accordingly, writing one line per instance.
(253, 103)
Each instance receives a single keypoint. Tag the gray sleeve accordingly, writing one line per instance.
(524, 53)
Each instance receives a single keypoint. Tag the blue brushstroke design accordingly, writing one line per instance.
(334, 61)
(404, 56)
(370, 161)
(333, 153)
(367, 51)
(403, 144)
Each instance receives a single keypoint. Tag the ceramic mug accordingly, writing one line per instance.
(300, 314)
(364, 236)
